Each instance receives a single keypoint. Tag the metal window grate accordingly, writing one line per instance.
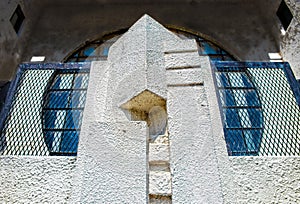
(259, 108)
(44, 112)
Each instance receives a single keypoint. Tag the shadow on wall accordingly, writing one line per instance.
(4, 86)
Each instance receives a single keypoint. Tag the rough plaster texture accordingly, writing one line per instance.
(193, 161)
(160, 183)
(184, 76)
(262, 180)
(290, 45)
(111, 163)
(160, 179)
(36, 179)
(158, 152)
(112, 159)
(135, 66)
(177, 60)
(141, 60)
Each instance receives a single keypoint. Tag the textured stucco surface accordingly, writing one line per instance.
(193, 161)
(262, 180)
(111, 164)
(36, 179)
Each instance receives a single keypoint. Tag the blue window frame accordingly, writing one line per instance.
(241, 110)
(62, 111)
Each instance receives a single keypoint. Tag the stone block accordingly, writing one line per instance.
(180, 46)
(159, 183)
(182, 60)
(184, 77)
(158, 152)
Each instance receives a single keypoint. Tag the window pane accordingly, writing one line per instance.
(231, 118)
(245, 118)
(49, 137)
(240, 97)
(246, 98)
(253, 139)
(81, 81)
(252, 98)
(222, 79)
(208, 48)
(239, 79)
(54, 119)
(227, 98)
(58, 99)
(235, 141)
(89, 51)
(77, 99)
(73, 119)
(69, 142)
(105, 51)
(216, 58)
(256, 117)
(63, 81)
(246, 80)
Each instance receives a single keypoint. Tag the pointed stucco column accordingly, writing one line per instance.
(149, 71)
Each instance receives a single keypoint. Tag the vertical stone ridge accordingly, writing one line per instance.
(160, 180)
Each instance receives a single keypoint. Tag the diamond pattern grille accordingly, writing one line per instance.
(45, 111)
(260, 112)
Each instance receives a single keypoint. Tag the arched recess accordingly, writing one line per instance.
(98, 49)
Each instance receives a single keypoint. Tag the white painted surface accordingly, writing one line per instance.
(111, 163)
(29, 179)
(262, 180)
(37, 59)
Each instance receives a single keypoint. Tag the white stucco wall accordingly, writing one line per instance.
(26, 179)
(262, 180)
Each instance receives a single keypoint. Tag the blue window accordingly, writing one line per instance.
(242, 111)
(62, 111)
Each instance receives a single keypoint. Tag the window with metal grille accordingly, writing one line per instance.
(62, 111)
(43, 110)
(242, 113)
(17, 19)
(259, 108)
